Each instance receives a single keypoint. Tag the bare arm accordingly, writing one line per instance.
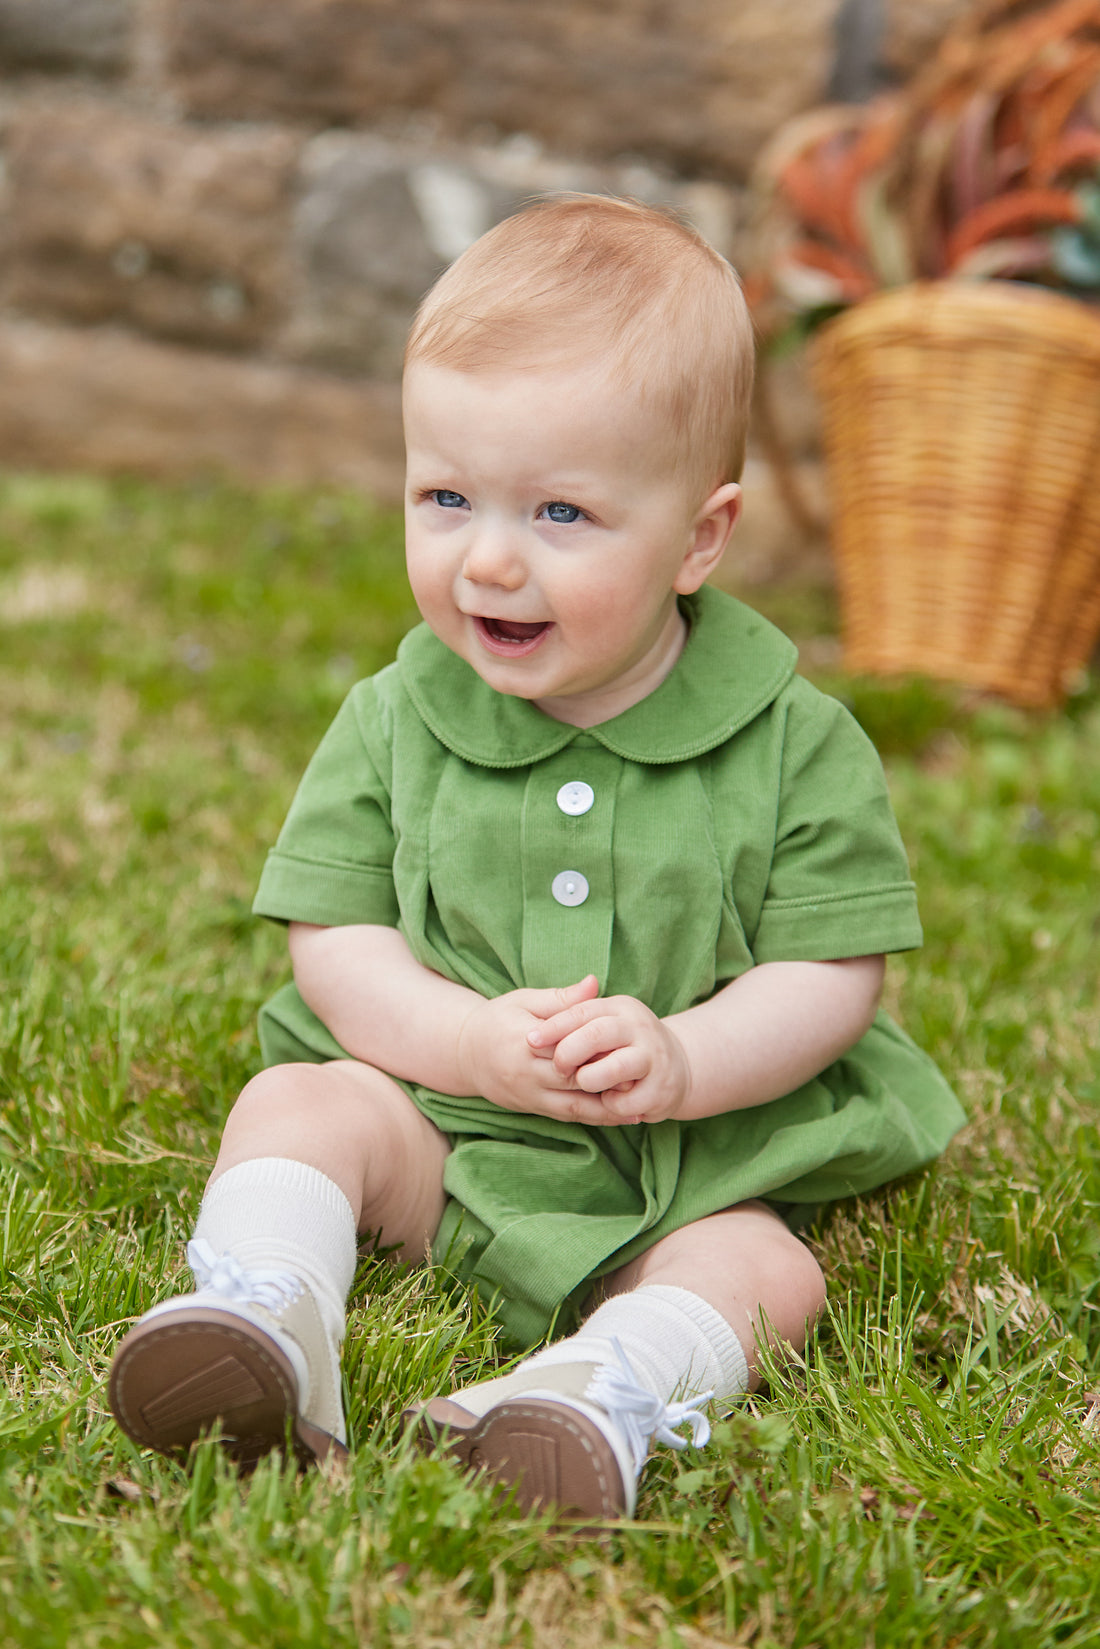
(774, 1028)
(564, 1053)
(387, 1009)
(379, 1002)
(761, 1036)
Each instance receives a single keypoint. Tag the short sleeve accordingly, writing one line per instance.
(839, 883)
(332, 863)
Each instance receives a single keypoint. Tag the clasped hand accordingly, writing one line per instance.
(575, 1056)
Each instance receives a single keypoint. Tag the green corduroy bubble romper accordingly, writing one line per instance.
(735, 816)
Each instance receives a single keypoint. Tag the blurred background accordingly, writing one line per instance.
(217, 216)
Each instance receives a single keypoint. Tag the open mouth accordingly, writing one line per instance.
(510, 638)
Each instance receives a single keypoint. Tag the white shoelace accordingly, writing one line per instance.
(222, 1274)
(640, 1414)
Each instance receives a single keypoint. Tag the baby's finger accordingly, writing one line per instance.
(617, 1070)
(544, 1004)
(628, 1103)
(581, 1107)
(588, 1042)
(551, 1029)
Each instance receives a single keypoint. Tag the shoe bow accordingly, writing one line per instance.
(642, 1415)
(222, 1274)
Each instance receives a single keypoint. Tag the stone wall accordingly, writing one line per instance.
(217, 215)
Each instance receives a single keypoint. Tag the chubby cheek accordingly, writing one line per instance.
(437, 611)
(598, 608)
(428, 577)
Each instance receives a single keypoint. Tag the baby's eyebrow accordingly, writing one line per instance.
(571, 492)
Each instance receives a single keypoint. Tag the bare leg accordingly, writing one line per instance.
(570, 1425)
(256, 1348)
(747, 1265)
(356, 1126)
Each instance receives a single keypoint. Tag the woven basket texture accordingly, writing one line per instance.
(962, 430)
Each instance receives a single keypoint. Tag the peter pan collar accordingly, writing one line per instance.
(733, 665)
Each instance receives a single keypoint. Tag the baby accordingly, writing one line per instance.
(588, 898)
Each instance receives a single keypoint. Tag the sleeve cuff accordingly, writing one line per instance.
(332, 895)
(831, 927)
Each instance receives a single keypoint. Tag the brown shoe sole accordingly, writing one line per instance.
(550, 1454)
(186, 1373)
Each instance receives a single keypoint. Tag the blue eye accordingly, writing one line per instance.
(449, 500)
(563, 514)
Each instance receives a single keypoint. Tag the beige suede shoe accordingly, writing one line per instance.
(568, 1435)
(247, 1354)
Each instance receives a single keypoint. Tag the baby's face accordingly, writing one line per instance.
(548, 533)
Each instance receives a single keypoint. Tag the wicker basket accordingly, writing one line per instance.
(962, 428)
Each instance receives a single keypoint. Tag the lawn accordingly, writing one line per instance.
(929, 1475)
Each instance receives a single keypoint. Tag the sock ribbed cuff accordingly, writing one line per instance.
(678, 1345)
(282, 1172)
(733, 1369)
(273, 1211)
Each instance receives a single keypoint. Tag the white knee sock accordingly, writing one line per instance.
(276, 1212)
(676, 1343)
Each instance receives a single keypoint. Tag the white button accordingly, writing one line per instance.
(569, 887)
(576, 797)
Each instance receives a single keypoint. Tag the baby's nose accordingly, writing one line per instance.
(495, 558)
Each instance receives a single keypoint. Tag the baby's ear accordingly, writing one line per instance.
(710, 534)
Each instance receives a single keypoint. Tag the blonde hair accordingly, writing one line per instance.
(573, 275)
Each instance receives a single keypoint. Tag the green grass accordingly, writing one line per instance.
(168, 660)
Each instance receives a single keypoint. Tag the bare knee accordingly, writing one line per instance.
(782, 1284)
(744, 1262)
(300, 1113)
(792, 1285)
(356, 1126)
(282, 1093)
